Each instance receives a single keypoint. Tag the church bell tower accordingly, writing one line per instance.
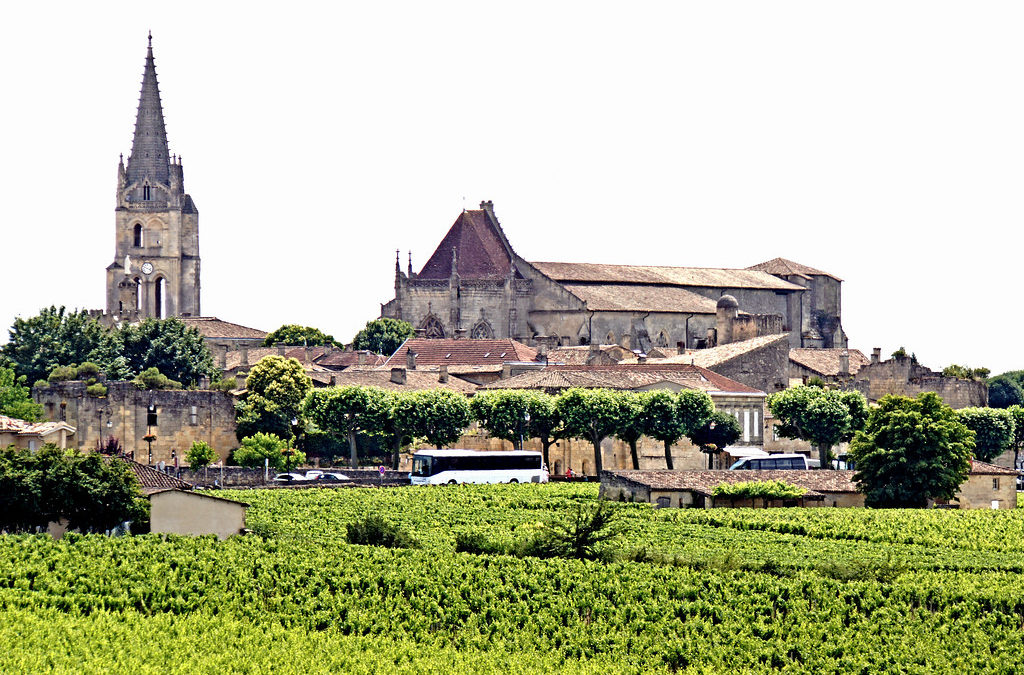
(155, 272)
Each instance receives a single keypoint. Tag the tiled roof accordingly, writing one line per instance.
(380, 377)
(645, 298)
(212, 328)
(709, 358)
(462, 352)
(344, 358)
(480, 251)
(816, 482)
(234, 357)
(783, 267)
(985, 469)
(826, 361)
(633, 376)
(665, 276)
(21, 427)
(152, 480)
(580, 355)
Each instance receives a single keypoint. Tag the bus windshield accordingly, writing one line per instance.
(421, 466)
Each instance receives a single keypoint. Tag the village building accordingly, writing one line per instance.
(474, 285)
(475, 361)
(151, 425)
(176, 509)
(33, 435)
(904, 376)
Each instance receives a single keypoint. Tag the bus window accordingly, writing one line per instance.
(421, 466)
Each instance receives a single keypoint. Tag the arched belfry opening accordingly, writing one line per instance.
(137, 236)
(160, 298)
(138, 293)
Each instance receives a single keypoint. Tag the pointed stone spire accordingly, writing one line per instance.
(149, 158)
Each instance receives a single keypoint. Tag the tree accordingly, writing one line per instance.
(16, 399)
(399, 423)
(177, 351)
(383, 336)
(965, 372)
(822, 417)
(292, 334)
(261, 447)
(591, 414)
(911, 450)
(545, 421)
(347, 411)
(1017, 412)
(94, 493)
(720, 431)
(631, 421)
(442, 415)
(669, 417)
(150, 378)
(504, 413)
(1004, 391)
(200, 455)
(275, 391)
(54, 337)
(993, 430)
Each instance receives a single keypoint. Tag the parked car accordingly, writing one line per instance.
(320, 474)
(786, 461)
(291, 478)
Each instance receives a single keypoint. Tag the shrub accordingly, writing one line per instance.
(260, 446)
(199, 455)
(585, 536)
(152, 378)
(97, 389)
(477, 542)
(373, 530)
(88, 369)
(230, 384)
(63, 374)
(769, 489)
(41, 383)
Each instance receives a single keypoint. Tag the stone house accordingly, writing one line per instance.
(475, 285)
(904, 376)
(173, 418)
(33, 435)
(988, 487)
(221, 336)
(176, 509)
(833, 366)
(682, 489)
(476, 361)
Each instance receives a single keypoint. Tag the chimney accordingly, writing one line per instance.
(222, 357)
(410, 360)
(442, 373)
(243, 358)
(681, 347)
(281, 349)
(333, 382)
(641, 358)
(844, 363)
(876, 355)
(460, 333)
(726, 312)
(306, 355)
(398, 375)
(506, 371)
(204, 382)
(362, 356)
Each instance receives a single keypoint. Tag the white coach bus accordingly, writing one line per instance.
(437, 467)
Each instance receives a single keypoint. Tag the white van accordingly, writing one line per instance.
(791, 462)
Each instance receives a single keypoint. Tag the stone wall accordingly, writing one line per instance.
(981, 491)
(765, 369)
(903, 377)
(175, 417)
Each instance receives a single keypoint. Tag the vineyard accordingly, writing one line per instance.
(789, 590)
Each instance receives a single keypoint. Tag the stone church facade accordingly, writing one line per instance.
(155, 272)
(476, 286)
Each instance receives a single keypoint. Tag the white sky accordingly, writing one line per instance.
(879, 141)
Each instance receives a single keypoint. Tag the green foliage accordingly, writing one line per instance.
(347, 411)
(721, 430)
(965, 372)
(259, 447)
(62, 374)
(668, 417)
(900, 353)
(94, 493)
(503, 413)
(993, 430)
(293, 334)
(911, 451)
(373, 530)
(1017, 444)
(52, 338)
(823, 417)
(632, 421)
(152, 378)
(200, 455)
(97, 389)
(228, 384)
(766, 489)
(255, 414)
(383, 336)
(275, 389)
(1004, 391)
(585, 535)
(88, 369)
(442, 415)
(177, 351)
(815, 381)
(16, 399)
(590, 414)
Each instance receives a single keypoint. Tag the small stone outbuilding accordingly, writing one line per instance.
(988, 487)
(177, 511)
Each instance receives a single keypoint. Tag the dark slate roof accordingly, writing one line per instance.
(149, 158)
(626, 376)
(662, 275)
(152, 480)
(788, 268)
(212, 328)
(480, 250)
(703, 482)
(825, 362)
(462, 352)
(643, 298)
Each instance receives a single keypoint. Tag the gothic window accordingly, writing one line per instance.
(146, 195)
(662, 339)
(432, 327)
(159, 291)
(137, 240)
(482, 331)
(63, 411)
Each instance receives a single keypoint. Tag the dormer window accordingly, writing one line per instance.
(137, 238)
